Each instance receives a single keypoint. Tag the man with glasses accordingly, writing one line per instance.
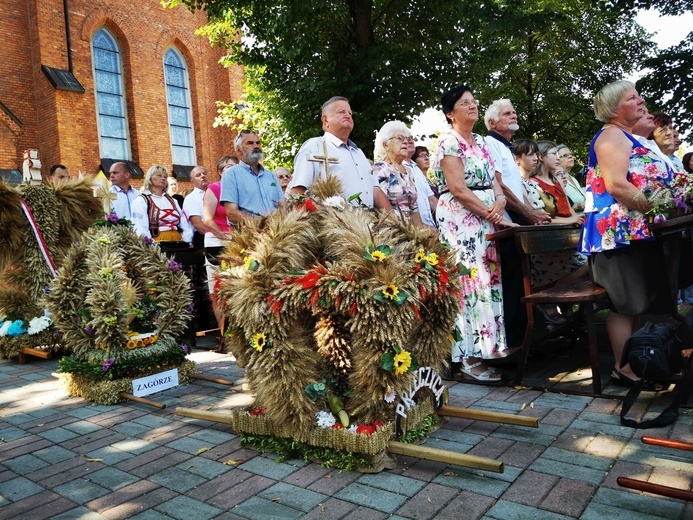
(248, 189)
(334, 151)
(501, 121)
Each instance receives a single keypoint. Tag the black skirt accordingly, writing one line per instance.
(637, 278)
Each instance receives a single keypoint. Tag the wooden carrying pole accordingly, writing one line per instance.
(480, 415)
(211, 379)
(448, 457)
(142, 400)
(667, 443)
(220, 417)
(657, 489)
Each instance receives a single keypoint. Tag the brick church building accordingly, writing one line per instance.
(87, 82)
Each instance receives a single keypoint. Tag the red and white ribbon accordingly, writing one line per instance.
(39, 238)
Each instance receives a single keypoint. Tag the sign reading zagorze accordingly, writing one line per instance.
(155, 383)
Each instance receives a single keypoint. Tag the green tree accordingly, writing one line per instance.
(550, 58)
(392, 59)
(668, 83)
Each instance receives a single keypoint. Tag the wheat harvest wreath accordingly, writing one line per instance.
(120, 305)
(331, 309)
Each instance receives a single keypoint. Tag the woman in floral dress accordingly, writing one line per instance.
(470, 206)
(626, 261)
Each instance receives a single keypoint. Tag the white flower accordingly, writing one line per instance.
(335, 202)
(390, 396)
(39, 324)
(325, 419)
(5, 327)
(352, 428)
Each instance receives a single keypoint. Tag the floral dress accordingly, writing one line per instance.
(480, 327)
(609, 224)
(400, 189)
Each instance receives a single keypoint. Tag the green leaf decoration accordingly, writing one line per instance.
(400, 298)
(414, 364)
(387, 362)
(355, 196)
(379, 296)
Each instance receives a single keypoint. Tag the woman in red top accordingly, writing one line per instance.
(547, 185)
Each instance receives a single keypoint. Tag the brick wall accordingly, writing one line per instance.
(63, 125)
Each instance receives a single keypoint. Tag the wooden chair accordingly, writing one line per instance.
(533, 240)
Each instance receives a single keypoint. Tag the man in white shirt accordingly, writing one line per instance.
(192, 205)
(501, 121)
(119, 173)
(346, 161)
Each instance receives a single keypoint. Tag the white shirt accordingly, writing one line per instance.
(504, 160)
(140, 216)
(652, 145)
(192, 204)
(122, 205)
(352, 168)
(423, 191)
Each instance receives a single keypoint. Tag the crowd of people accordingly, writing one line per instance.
(466, 187)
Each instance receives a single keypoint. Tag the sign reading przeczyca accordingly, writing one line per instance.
(155, 383)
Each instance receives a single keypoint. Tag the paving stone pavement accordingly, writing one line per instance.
(64, 458)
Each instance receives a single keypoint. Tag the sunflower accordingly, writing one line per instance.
(420, 256)
(378, 256)
(402, 362)
(432, 259)
(391, 291)
(258, 341)
(248, 261)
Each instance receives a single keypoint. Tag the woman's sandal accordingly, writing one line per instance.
(485, 376)
(620, 379)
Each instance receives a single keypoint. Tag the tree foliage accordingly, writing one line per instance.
(392, 59)
(668, 82)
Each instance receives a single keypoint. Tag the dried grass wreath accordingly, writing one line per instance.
(120, 305)
(330, 309)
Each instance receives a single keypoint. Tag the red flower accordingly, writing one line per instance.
(314, 297)
(443, 277)
(365, 429)
(352, 309)
(377, 424)
(258, 411)
(602, 225)
(308, 280)
(309, 205)
(337, 426)
(598, 186)
(640, 151)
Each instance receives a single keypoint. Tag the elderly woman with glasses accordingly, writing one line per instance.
(625, 259)
(393, 173)
(471, 205)
(155, 214)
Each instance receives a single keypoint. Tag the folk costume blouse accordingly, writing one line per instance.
(608, 223)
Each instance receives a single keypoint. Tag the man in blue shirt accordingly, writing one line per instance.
(119, 174)
(248, 189)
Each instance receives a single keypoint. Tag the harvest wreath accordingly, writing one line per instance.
(331, 309)
(39, 224)
(120, 305)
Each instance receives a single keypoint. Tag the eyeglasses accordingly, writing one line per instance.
(423, 154)
(566, 155)
(468, 103)
(403, 139)
(555, 154)
(283, 176)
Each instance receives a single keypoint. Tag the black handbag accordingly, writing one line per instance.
(654, 354)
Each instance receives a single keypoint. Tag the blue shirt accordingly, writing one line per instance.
(253, 194)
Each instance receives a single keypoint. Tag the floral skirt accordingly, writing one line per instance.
(480, 326)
